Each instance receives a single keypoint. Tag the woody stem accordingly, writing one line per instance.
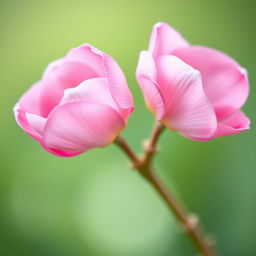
(189, 222)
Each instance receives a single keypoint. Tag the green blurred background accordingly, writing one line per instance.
(93, 204)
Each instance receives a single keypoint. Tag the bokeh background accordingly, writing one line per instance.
(93, 204)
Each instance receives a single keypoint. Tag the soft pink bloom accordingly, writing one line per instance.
(81, 102)
(195, 90)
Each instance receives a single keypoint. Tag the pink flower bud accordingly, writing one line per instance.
(194, 90)
(81, 102)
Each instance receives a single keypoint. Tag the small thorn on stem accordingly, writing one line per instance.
(147, 146)
(192, 223)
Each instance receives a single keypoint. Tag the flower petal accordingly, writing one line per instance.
(188, 109)
(59, 152)
(105, 66)
(146, 76)
(81, 125)
(146, 66)
(21, 117)
(118, 85)
(36, 122)
(235, 123)
(29, 102)
(96, 90)
(165, 39)
(89, 56)
(59, 76)
(224, 81)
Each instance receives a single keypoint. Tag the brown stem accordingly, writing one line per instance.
(143, 165)
(124, 146)
(150, 145)
(189, 222)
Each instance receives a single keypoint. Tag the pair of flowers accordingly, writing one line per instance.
(83, 101)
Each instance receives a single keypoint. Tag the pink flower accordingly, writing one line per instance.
(195, 90)
(81, 102)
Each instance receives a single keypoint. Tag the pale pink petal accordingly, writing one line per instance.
(224, 81)
(52, 66)
(36, 122)
(235, 123)
(20, 116)
(29, 102)
(146, 66)
(105, 66)
(81, 125)
(96, 90)
(118, 85)
(59, 76)
(146, 76)
(165, 39)
(89, 56)
(188, 109)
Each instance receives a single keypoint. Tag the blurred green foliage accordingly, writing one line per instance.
(93, 204)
